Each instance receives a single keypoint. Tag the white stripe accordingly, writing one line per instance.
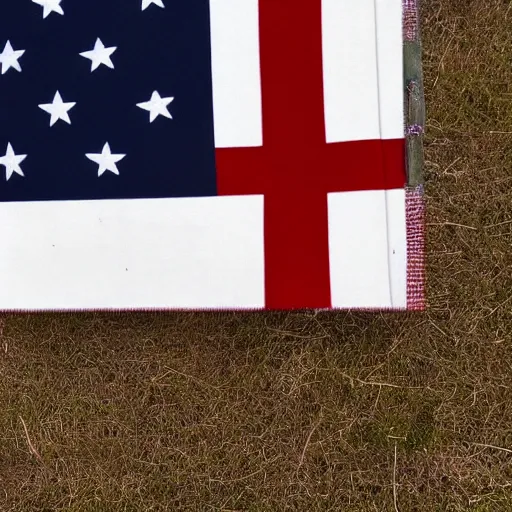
(390, 66)
(397, 246)
(350, 70)
(363, 82)
(236, 73)
(158, 253)
(361, 273)
(391, 103)
(391, 108)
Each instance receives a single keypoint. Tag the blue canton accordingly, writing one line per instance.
(105, 99)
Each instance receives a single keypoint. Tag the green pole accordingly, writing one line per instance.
(414, 94)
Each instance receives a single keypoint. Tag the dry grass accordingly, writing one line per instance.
(270, 412)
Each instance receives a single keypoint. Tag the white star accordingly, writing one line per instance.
(147, 3)
(50, 6)
(9, 58)
(100, 55)
(106, 160)
(58, 109)
(12, 162)
(156, 106)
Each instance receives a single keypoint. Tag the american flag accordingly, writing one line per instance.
(238, 154)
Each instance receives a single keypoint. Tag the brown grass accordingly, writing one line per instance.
(270, 412)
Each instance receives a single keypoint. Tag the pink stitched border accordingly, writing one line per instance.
(415, 214)
(410, 20)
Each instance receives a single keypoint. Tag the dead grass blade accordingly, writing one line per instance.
(31, 446)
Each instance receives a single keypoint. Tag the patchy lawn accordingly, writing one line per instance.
(271, 412)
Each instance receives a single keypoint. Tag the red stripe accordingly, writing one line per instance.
(296, 237)
(296, 169)
(240, 171)
(362, 165)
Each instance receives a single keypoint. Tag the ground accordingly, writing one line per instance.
(269, 412)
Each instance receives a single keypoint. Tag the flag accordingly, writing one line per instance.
(222, 154)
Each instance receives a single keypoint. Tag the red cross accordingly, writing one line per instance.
(295, 168)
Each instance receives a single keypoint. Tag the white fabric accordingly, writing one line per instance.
(209, 252)
(158, 253)
(367, 249)
(390, 68)
(236, 73)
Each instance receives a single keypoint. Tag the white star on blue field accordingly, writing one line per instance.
(106, 100)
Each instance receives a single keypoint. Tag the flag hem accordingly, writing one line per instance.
(414, 130)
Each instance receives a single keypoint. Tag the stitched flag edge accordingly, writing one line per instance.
(414, 130)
